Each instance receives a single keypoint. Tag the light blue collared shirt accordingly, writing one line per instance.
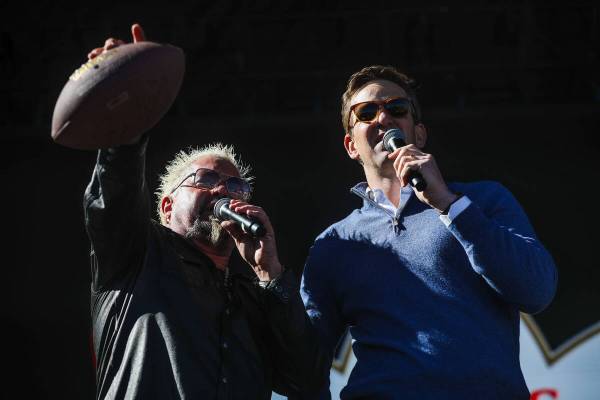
(381, 199)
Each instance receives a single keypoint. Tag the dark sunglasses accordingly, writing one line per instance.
(368, 111)
(206, 178)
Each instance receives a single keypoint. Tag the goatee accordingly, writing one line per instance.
(208, 231)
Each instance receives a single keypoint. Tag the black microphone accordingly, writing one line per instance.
(394, 139)
(249, 225)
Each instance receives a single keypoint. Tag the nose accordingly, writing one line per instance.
(384, 120)
(219, 190)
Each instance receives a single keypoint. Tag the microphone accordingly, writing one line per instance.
(394, 139)
(249, 225)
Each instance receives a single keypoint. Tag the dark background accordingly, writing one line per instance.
(510, 92)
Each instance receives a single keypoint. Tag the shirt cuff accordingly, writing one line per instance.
(283, 287)
(455, 209)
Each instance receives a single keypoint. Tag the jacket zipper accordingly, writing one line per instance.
(395, 222)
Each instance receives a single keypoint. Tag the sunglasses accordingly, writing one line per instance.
(205, 178)
(368, 111)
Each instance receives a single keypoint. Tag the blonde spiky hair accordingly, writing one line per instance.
(177, 167)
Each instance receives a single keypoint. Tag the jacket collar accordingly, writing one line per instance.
(190, 254)
(360, 189)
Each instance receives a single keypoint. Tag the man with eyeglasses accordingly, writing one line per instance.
(176, 312)
(430, 283)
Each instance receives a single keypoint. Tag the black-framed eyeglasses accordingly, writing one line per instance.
(205, 178)
(368, 111)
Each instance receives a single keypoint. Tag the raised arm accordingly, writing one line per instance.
(117, 211)
(116, 200)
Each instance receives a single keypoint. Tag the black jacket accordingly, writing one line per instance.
(167, 324)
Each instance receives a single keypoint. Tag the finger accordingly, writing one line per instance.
(243, 207)
(138, 33)
(94, 53)
(409, 166)
(251, 210)
(112, 43)
(394, 154)
(412, 147)
(108, 43)
(234, 230)
(262, 217)
(408, 149)
(235, 202)
(240, 206)
(402, 158)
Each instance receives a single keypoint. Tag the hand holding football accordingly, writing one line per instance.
(118, 95)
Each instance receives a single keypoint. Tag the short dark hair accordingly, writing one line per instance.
(376, 72)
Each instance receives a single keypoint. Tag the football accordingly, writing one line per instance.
(118, 95)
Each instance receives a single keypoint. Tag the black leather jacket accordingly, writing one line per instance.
(167, 324)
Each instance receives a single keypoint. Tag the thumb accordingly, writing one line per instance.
(138, 33)
(233, 229)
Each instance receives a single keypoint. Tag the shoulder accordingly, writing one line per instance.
(341, 229)
(330, 245)
(159, 231)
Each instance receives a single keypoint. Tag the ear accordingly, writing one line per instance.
(420, 135)
(166, 206)
(350, 147)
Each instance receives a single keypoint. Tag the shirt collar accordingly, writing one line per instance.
(379, 198)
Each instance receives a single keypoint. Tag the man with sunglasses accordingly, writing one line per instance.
(430, 283)
(176, 312)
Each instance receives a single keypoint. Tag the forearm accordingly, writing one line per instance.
(116, 206)
(299, 357)
(513, 263)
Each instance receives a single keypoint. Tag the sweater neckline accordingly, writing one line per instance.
(362, 188)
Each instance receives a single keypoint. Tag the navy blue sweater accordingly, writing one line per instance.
(433, 310)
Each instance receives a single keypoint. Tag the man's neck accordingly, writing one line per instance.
(389, 185)
(219, 256)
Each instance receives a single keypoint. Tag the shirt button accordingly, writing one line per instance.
(224, 379)
(225, 345)
(227, 312)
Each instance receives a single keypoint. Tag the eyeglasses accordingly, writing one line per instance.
(368, 111)
(206, 178)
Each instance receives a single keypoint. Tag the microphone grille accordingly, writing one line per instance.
(219, 206)
(392, 135)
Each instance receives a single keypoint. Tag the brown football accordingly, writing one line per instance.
(118, 95)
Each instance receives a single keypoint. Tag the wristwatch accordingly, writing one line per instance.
(277, 287)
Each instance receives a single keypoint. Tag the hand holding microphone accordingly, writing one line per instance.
(438, 196)
(248, 225)
(256, 242)
(394, 139)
